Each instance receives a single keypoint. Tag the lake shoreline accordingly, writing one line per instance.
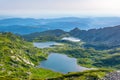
(81, 68)
(49, 53)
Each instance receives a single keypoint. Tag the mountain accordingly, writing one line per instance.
(18, 29)
(49, 35)
(30, 25)
(103, 37)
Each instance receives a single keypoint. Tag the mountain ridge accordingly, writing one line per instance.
(103, 37)
(16, 25)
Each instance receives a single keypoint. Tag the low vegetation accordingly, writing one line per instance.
(89, 57)
(86, 75)
(18, 59)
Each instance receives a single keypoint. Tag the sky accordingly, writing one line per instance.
(58, 8)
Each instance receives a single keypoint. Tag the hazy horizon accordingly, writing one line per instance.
(59, 8)
(55, 17)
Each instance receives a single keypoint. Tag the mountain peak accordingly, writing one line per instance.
(76, 29)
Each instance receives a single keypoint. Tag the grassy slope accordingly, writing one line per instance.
(19, 58)
(86, 75)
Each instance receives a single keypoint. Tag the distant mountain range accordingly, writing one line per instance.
(30, 25)
(102, 38)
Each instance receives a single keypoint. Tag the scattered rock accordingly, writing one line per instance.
(112, 76)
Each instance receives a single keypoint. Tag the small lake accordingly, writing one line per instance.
(61, 63)
(58, 62)
(45, 44)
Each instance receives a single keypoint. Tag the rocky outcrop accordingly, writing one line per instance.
(112, 76)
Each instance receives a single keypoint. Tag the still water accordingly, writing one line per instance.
(61, 63)
(45, 44)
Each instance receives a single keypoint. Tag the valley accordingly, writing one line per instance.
(57, 54)
(59, 39)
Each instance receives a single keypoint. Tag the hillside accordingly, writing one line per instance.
(49, 35)
(102, 38)
(18, 59)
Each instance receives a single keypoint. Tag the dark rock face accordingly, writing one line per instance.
(112, 76)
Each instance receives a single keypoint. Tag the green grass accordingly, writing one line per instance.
(86, 75)
(40, 73)
(17, 56)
